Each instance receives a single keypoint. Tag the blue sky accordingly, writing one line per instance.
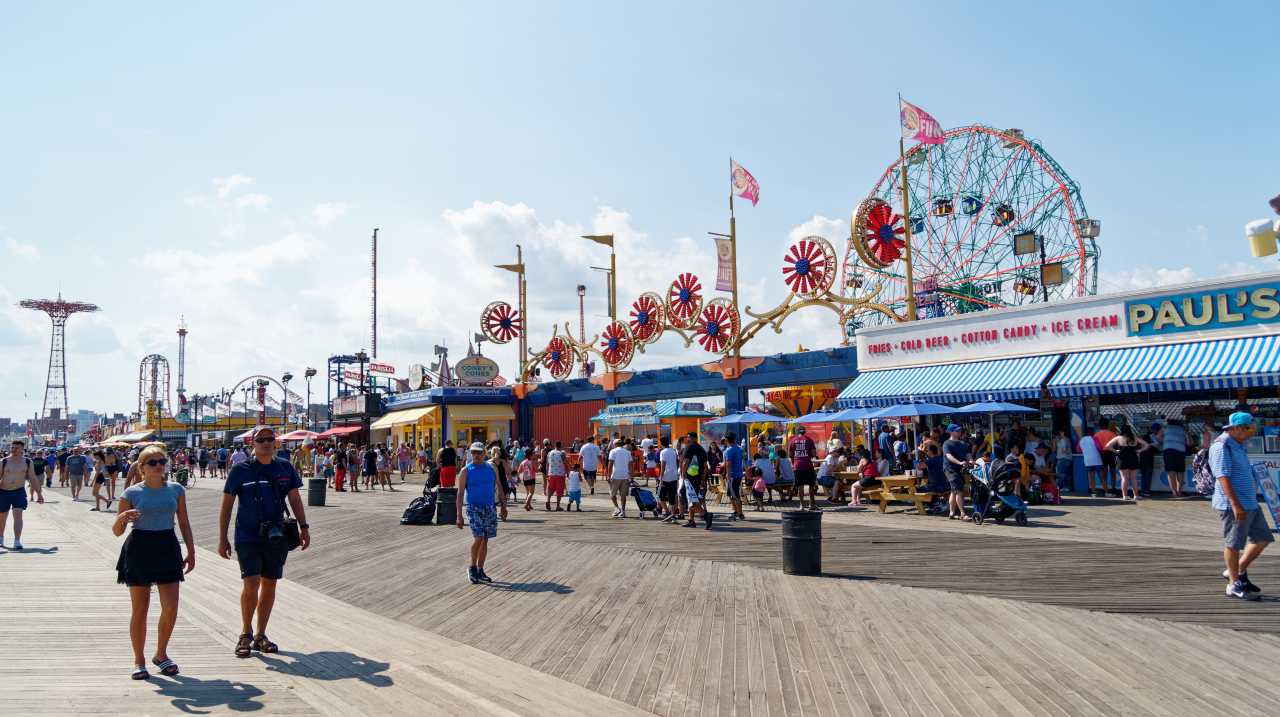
(227, 162)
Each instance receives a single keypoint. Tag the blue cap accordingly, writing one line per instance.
(1240, 418)
(953, 428)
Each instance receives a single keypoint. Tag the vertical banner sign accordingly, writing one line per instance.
(724, 264)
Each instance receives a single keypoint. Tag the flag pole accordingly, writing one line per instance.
(906, 223)
(733, 244)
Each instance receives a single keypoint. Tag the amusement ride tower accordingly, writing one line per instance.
(55, 388)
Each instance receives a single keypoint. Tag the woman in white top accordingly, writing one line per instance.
(1092, 460)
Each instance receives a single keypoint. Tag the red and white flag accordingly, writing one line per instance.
(743, 184)
(918, 124)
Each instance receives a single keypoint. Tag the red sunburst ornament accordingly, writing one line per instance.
(718, 326)
(500, 322)
(617, 345)
(879, 232)
(684, 301)
(646, 318)
(558, 358)
(809, 267)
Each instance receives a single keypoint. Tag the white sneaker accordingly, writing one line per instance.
(616, 513)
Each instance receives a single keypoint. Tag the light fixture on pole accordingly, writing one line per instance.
(607, 240)
(309, 374)
(284, 404)
(521, 287)
(582, 314)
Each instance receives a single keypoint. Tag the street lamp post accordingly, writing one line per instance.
(607, 240)
(308, 375)
(362, 358)
(284, 405)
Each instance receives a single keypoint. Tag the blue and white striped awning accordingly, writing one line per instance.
(1004, 380)
(1230, 363)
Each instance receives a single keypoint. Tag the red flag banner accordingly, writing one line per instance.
(918, 124)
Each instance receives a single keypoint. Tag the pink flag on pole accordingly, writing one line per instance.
(918, 124)
(744, 185)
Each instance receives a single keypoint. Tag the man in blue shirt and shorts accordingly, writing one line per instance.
(1235, 497)
(479, 486)
(733, 471)
(262, 485)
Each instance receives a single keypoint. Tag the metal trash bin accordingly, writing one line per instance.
(802, 542)
(315, 491)
(446, 505)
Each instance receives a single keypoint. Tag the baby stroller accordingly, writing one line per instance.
(645, 500)
(992, 493)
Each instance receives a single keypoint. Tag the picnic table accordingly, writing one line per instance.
(900, 488)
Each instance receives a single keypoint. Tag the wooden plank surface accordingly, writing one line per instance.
(70, 648)
(680, 621)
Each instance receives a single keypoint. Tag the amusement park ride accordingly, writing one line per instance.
(985, 218)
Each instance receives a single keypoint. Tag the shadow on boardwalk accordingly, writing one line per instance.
(330, 665)
(195, 696)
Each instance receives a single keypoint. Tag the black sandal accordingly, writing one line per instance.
(140, 673)
(262, 644)
(168, 667)
(244, 646)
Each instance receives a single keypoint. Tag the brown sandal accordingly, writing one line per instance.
(262, 644)
(244, 645)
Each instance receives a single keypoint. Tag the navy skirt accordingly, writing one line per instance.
(149, 557)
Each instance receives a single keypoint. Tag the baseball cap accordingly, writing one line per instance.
(260, 429)
(1240, 418)
(477, 447)
(953, 428)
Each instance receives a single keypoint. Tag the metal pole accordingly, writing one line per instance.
(613, 282)
(524, 320)
(373, 312)
(906, 223)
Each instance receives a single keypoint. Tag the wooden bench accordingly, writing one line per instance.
(900, 488)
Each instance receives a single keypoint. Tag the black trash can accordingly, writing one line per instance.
(446, 505)
(315, 491)
(802, 542)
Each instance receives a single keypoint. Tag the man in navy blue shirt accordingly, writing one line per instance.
(262, 486)
(733, 471)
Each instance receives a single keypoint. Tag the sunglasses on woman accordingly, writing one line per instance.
(153, 462)
(264, 439)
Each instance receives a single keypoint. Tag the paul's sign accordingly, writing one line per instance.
(1204, 310)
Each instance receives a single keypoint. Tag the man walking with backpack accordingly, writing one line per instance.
(1235, 497)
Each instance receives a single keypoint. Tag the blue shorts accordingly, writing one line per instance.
(483, 520)
(575, 496)
(13, 499)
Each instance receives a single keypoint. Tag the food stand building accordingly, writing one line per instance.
(1194, 352)
(465, 415)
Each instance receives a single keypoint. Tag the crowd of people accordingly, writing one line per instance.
(262, 481)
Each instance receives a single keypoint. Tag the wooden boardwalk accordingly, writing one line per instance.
(68, 647)
(683, 621)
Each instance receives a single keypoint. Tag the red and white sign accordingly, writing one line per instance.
(385, 369)
(1005, 333)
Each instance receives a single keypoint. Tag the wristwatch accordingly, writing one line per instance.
(304, 526)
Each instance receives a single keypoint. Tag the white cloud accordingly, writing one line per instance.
(255, 264)
(253, 200)
(227, 185)
(20, 250)
(327, 213)
(1144, 278)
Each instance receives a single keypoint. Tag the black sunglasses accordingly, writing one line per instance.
(158, 462)
(268, 439)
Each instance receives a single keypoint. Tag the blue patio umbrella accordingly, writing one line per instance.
(744, 418)
(913, 408)
(991, 408)
(823, 416)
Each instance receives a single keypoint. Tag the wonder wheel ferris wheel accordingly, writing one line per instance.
(994, 221)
